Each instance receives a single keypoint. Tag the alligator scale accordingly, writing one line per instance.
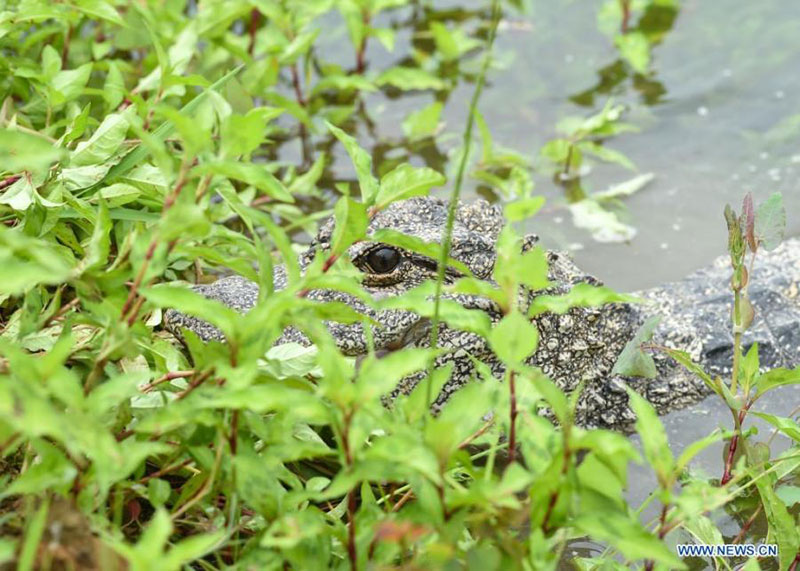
(580, 345)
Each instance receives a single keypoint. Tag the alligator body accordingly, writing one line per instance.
(580, 345)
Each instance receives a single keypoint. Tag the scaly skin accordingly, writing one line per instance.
(581, 345)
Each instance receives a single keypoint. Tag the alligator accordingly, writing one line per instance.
(578, 346)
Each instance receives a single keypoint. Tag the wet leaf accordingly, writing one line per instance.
(633, 361)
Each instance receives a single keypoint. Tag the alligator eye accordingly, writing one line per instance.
(383, 260)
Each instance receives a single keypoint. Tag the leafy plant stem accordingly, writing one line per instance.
(361, 62)
(551, 504)
(166, 470)
(625, 5)
(167, 377)
(168, 202)
(205, 488)
(737, 339)
(255, 17)
(662, 532)
(456, 193)
(65, 47)
(795, 563)
(738, 421)
(568, 160)
(298, 88)
(352, 554)
(512, 431)
(747, 524)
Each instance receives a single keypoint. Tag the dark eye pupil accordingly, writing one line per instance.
(383, 260)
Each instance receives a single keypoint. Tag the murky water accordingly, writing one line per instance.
(719, 116)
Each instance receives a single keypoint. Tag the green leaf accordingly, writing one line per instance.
(350, 224)
(344, 84)
(114, 86)
(100, 9)
(556, 150)
(378, 376)
(684, 359)
(781, 523)
(776, 378)
(514, 338)
(581, 295)
(242, 134)
(69, 84)
(628, 536)
(187, 301)
(410, 79)
(633, 362)
(100, 242)
(606, 154)
(423, 122)
(635, 49)
(51, 62)
(51, 472)
(28, 261)
(784, 425)
(249, 173)
(405, 181)
(523, 208)
(140, 152)
(627, 188)
(24, 152)
(604, 225)
(770, 223)
(789, 495)
(104, 142)
(362, 162)
(654, 440)
(298, 47)
(695, 448)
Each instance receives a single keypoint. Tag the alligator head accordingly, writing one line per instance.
(580, 345)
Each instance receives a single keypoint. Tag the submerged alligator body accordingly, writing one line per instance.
(580, 345)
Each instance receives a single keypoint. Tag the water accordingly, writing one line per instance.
(718, 117)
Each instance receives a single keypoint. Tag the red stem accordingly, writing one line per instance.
(727, 474)
(512, 433)
(298, 89)
(167, 377)
(662, 531)
(255, 16)
(9, 180)
(626, 15)
(361, 63)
